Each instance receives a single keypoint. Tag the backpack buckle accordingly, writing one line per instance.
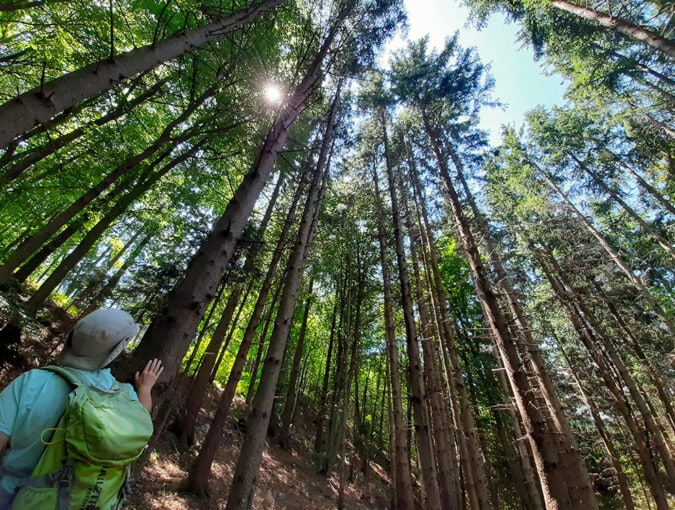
(67, 476)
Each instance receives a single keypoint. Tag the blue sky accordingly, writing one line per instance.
(520, 81)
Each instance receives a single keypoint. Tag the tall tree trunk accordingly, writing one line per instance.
(170, 333)
(612, 452)
(403, 493)
(663, 389)
(546, 446)
(266, 320)
(185, 425)
(642, 35)
(415, 374)
(654, 434)
(571, 461)
(40, 104)
(287, 416)
(619, 399)
(468, 435)
(524, 447)
(444, 448)
(241, 491)
(323, 399)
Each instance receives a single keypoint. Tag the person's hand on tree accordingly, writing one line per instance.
(146, 379)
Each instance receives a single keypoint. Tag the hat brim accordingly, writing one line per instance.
(69, 359)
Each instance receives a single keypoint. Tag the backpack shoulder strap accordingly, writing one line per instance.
(73, 378)
(76, 380)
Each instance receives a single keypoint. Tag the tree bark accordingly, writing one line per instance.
(417, 388)
(444, 448)
(40, 104)
(186, 424)
(625, 379)
(321, 412)
(403, 493)
(241, 491)
(619, 25)
(169, 335)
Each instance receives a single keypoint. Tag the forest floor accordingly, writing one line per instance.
(287, 479)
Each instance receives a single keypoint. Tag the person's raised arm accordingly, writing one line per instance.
(146, 380)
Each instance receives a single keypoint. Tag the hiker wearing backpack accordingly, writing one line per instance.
(72, 431)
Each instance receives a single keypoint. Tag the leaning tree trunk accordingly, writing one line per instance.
(335, 412)
(323, 398)
(43, 253)
(170, 333)
(663, 389)
(403, 493)
(40, 104)
(241, 491)
(654, 434)
(186, 423)
(53, 145)
(635, 32)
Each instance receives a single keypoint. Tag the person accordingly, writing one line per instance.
(35, 401)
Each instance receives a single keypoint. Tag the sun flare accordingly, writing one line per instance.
(273, 93)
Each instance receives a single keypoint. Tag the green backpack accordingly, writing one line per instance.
(86, 462)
